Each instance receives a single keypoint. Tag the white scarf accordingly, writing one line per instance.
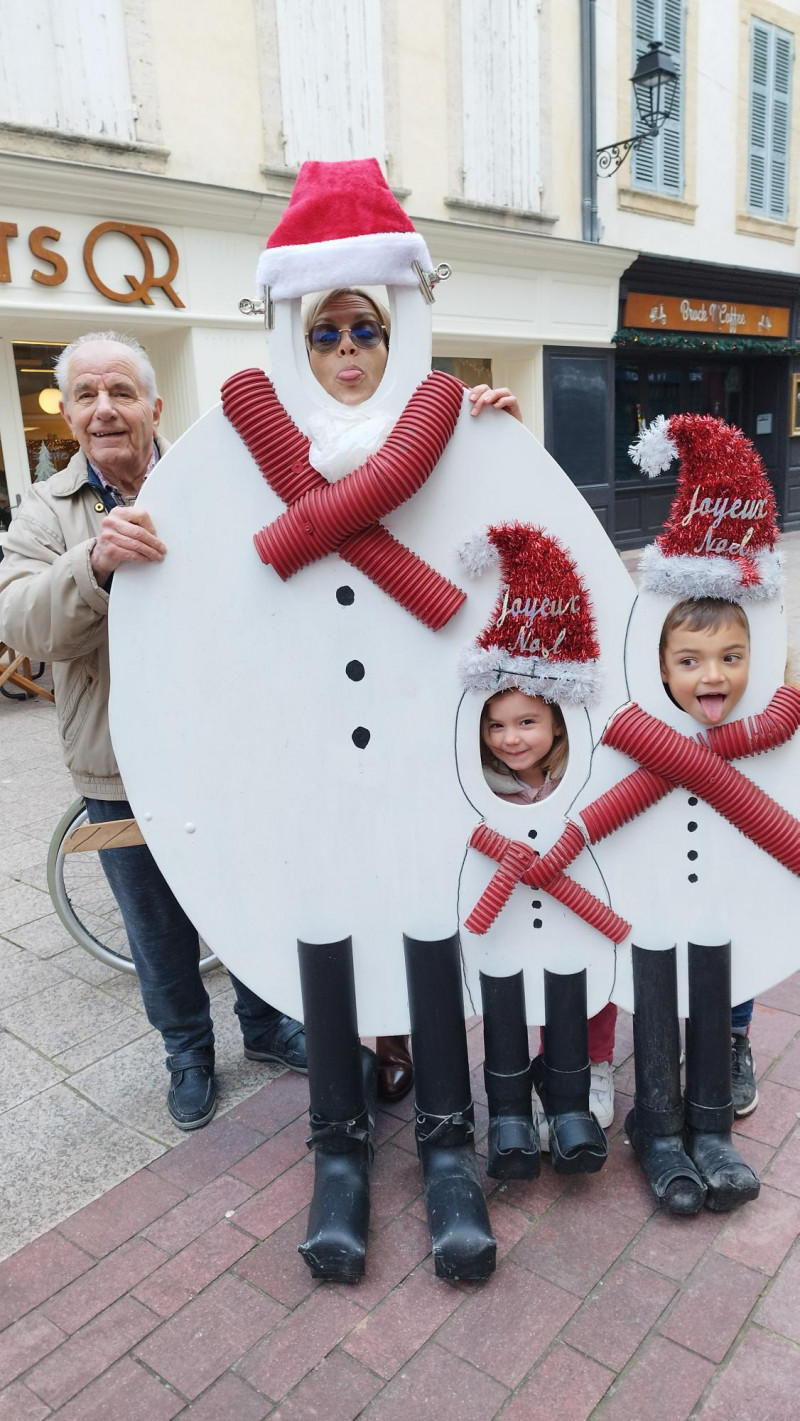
(344, 437)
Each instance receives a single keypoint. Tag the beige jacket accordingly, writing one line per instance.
(52, 609)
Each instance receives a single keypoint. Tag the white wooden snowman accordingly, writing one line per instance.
(553, 950)
(713, 861)
(313, 794)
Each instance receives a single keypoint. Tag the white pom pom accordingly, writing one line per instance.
(654, 451)
(477, 553)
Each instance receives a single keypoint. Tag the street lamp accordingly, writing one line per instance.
(655, 83)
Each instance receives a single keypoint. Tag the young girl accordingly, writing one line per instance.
(524, 753)
(524, 747)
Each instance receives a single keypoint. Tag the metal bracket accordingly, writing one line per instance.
(428, 279)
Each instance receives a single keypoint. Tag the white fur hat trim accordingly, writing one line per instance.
(477, 553)
(570, 683)
(378, 258)
(684, 577)
(654, 450)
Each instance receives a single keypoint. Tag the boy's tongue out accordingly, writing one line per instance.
(712, 706)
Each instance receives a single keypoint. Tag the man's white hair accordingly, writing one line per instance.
(148, 374)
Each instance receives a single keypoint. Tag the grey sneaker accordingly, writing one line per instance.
(743, 1076)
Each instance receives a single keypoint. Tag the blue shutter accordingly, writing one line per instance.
(658, 164)
(770, 118)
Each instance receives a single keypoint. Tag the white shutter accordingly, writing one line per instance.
(500, 103)
(658, 163)
(64, 66)
(331, 80)
(770, 117)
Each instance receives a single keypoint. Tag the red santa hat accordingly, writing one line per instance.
(719, 539)
(342, 227)
(541, 636)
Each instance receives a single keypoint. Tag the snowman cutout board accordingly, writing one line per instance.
(313, 790)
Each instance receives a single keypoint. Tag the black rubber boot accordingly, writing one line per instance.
(513, 1132)
(562, 1076)
(655, 1125)
(728, 1179)
(342, 1078)
(461, 1236)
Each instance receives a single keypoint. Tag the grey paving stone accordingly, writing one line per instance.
(23, 1072)
(45, 936)
(62, 1016)
(19, 852)
(80, 963)
(21, 904)
(59, 1152)
(105, 1043)
(25, 975)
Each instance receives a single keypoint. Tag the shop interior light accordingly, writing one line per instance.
(49, 400)
(655, 84)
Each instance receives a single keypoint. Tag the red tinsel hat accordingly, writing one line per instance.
(343, 226)
(541, 637)
(719, 539)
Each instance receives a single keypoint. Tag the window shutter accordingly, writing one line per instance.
(500, 103)
(769, 124)
(778, 196)
(658, 163)
(330, 59)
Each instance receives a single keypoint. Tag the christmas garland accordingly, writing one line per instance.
(676, 340)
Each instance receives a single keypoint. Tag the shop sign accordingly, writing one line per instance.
(41, 241)
(703, 317)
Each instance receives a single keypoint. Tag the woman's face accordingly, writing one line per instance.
(350, 374)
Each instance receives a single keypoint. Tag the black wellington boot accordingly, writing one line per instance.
(563, 1077)
(461, 1235)
(513, 1132)
(655, 1125)
(709, 1096)
(342, 1079)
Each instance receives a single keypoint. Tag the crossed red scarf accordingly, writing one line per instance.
(323, 518)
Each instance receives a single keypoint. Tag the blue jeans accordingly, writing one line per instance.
(166, 951)
(741, 1017)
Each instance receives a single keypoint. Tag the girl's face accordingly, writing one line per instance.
(519, 730)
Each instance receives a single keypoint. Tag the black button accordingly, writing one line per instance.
(532, 833)
(692, 877)
(537, 922)
(361, 737)
(536, 903)
(693, 800)
(692, 854)
(691, 826)
(355, 670)
(345, 596)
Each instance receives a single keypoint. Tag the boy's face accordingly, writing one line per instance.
(707, 671)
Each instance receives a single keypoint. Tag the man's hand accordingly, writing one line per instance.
(482, 397)
(126, 535)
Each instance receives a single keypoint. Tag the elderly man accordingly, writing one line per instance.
(69, 536)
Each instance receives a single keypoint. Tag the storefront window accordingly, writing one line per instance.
(47, 435)
(471, 369)
(648, 388)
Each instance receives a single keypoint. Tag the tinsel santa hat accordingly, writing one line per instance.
(541, 636)
(343, 226)
(719, 539)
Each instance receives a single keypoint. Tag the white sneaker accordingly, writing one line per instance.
(601, 1093)
(544, 1128)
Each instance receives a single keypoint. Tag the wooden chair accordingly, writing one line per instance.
(13, 676)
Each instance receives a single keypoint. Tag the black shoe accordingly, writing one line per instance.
(284, 1041)
(192, 1097)
(743, 1076)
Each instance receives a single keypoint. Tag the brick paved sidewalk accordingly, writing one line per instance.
(180, 1292)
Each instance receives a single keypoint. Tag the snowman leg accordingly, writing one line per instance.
(655, 1125)
(709, 1097)
(562, 1075)
(461, 1235)
(342, 1078)
(513, 1132)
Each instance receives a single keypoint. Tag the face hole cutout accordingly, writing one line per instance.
(704, 658)
(524, 747)
(347, 332)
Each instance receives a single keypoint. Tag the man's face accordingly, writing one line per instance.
(707, 671)
(108, 410)
(348, 373)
